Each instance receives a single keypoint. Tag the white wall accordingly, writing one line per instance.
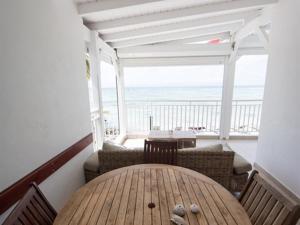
(44, 105)
(279, 142)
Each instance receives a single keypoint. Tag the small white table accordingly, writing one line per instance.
(184, 138)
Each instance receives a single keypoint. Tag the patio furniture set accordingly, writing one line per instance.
(161, 184)
(218, 162)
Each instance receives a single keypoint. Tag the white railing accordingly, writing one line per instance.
(111, 125)
(246, 116)
(200, 115)
(172, 114)
(111, 119)
(96, 129)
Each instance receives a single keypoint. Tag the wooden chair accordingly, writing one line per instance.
(164, 152)
(32, 209)
(267, 204)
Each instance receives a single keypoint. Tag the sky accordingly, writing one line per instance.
(250, 71)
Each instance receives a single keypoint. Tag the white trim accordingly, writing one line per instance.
(172, 61)
(177, 35)
(179, 51)
(180, 14)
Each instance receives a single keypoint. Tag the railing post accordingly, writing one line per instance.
(227, 96)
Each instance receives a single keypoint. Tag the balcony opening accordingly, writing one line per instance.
(174, 98)
(109, 101)
(248, 94)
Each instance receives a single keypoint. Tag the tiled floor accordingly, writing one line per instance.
(246, 148)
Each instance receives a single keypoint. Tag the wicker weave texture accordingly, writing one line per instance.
(238, 182)
(216, 165)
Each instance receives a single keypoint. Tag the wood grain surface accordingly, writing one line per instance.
(122, 197)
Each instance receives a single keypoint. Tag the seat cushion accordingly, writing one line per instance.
(92, 163)
(111, 146)
(241, 165)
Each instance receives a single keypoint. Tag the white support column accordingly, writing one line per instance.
(121, 98)
(227, 95)
(94, 52)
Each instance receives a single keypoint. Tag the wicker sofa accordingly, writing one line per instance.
(218, 165)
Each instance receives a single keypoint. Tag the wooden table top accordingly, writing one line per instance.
(122, 197)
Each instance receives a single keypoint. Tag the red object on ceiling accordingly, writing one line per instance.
(215, 41)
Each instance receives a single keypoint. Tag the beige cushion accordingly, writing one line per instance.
(92, 163)
(211, 148)
(241, 165)
(111, 146)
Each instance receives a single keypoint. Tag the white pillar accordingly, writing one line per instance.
(278, 150)
(94, 52)
(227, 95)
(121, 98)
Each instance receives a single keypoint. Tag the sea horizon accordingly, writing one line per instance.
(189, 93)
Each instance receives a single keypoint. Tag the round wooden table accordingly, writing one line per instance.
(122, 196)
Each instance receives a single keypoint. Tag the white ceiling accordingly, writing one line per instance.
(145, 9)
(126, 24)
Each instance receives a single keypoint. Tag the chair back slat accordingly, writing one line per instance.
(251, 208)
(29, 217)
(273, 214)
(33, 209)
(164, 152)
(267, 204)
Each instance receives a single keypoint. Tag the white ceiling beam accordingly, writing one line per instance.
(86, 33)
(179, 15)
(251, 27)
(221, 36)
(107, 5)
(263, 37)
(176, 35)
(179, 51)
(172, 61)
(252, 51)
(108, 50)
(180, 26)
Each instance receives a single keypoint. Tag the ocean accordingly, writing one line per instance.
(171, 107)
(182, 93)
